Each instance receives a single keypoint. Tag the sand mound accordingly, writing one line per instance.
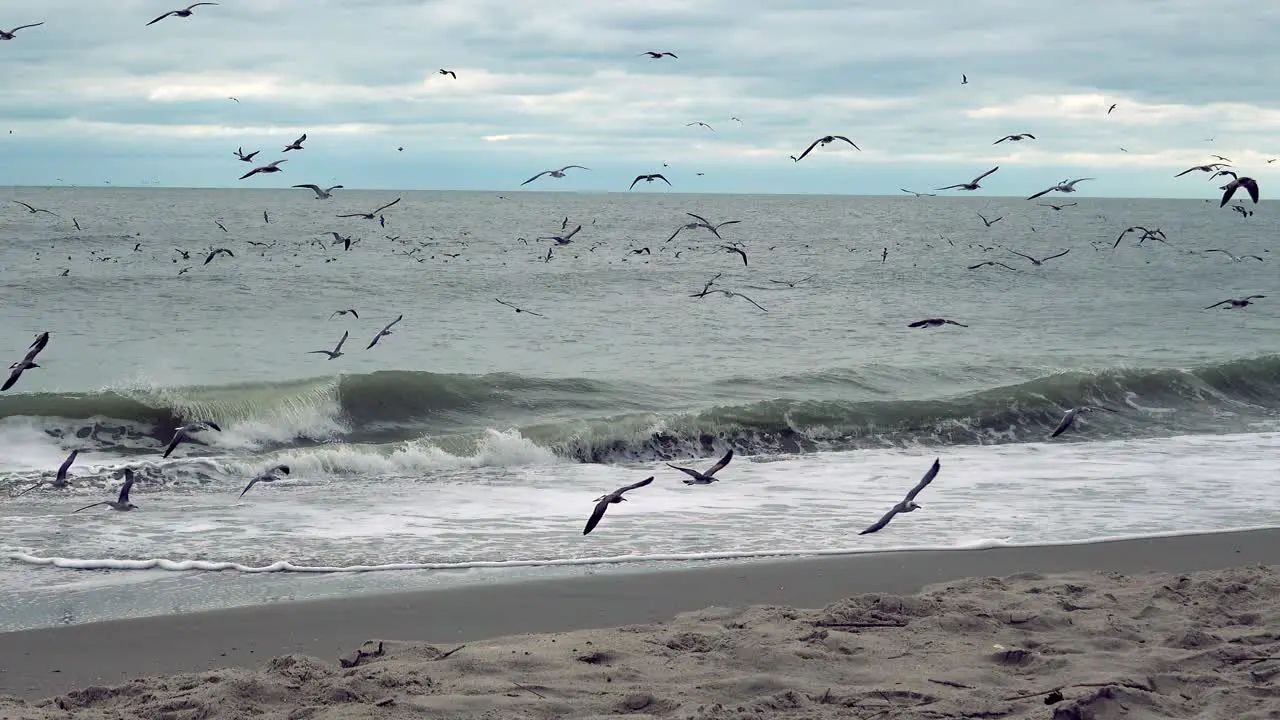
(1069, 647)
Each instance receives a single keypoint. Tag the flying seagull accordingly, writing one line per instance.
(1230, 304)
(1057, 207)
(824, 141)
(518, 310)
(183, 13)
(245, 158)
(384, 331)
(61, 480)
(908, 503)
(1069, 418)
(184, 433)
(336, 352)
(1113, 107)
(296, 144)
(268, 476)
(739, 251)
(9, 35)
(659, 55)
(1015, 138)
(33, 210)
(1249, 184)
(563, 239)
(917, 194)
(26, 363)
(122, 503)
(649, 178)
(987, 222)
(272, 167)
(934, 322)
(604, 501)
(699, 122)
(1210, 168)
(730, 294)
(1234, 257)
(371, 215)
(972, 184)
(704, 478)
(352, 312)
(1036, 262)
(993, 263)
(321, 193)
(1066, 186)
(1158, 234)
(450, 73)
(216, 253)
(554, 173)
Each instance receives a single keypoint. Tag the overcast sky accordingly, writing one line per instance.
(95, 95)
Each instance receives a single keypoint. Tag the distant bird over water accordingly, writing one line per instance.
(908, 504)
(1069, 418)
(1066, 186)
(650, 178)
(704, 478)
(183, 434)
(336, 352)
(935, 322)
(384, 332)
(60, 480)
(1231, 304)
(972, 184)
(183, 13)
(1249, 184)
(266, 477)
(321, 193)
(604, 501)
(1015, 138)
(554, 173)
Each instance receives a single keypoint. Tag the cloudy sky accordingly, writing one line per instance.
(95, 95)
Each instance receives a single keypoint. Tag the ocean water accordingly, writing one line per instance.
(468, 445)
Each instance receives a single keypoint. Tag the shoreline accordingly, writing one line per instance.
(49, 661)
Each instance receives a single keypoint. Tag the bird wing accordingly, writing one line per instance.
(66, 464)
(1004, 266)
(920, 323)
(1224, 302)
(806, 150)
(674, 234)
(364, 215)
(24, 27)
(924, 481)
(726, 222)
(251, 172)
(86, 507)
(720, 465)
(633, 486)
(25, 205)
(1252, 187)
(950, 187)
(1015, 252)
(153, 22)
(744, 297)
(575, 232)
(1184, 172)
(687, 471)
(251, 484)
(1255, 297)
(700, 219)
(663, 178)
(1064, 252)
(981, 264)
(300, 140)
(1064, 423)
(373, 342)
(535, 177)
(384, 207)
(855, 146)
(566, 167)
(732, 249)
(344, 339)
(884, 520)
(1043, 192)
(638, 179)
(13, 378)
(178, 437)
(124, 489)
(596, 515)
(1230, 190)
(1033, 137)
(986, 173)
(314, 188)
(1006, 137)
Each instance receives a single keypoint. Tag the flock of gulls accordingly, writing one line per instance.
(908, 504)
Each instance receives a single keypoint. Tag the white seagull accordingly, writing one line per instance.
(184, 433)
(272, 167)
(554, 173)
(336, 352)
(1066, 186)
(268, 476)
(604, 501)
(908, 503)
(321, 193)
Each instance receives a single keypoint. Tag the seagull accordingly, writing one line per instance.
(122, 503)
(450, 73)
(38, 344)
(1233, 257)
(371, 215)
(61, 480)
(336, 352)
(1223, 159)
(649, 178)
(1211, 167)
(245, 158)
(1113, 107)
(9, 35)
(352, 312)
(565, 239)
(296, 144)
(34, 210)
(384, 332)
(268, 476)
(659, 55)
(216, 253)
(1249, 184)
(987, 222)
(1014, 138)
(184, 13)
(964, 79)
(730, 294)
(992, 263)
(703, 478)
(273, 167)
(1066, 186)
(1057, 207)
(1232, 303)
(972, 184)
(917, 194)
(604, 501)
(518, 310)
(934, 322)
(703, 223)
(824, 141)
(321, 193)
(1036, 262)
(700, 123)
(732, 249)
(554, 173)
(1157, 234)
(26, 363)
(793, 283)
(1069, 418)
(184, 433)
(908, 503)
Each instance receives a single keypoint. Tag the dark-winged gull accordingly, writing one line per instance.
(604, 501)
(122, 502)
(824, 141)
(8, 35)
(266, 477)
(935, 322)
(1249, 184)
(704, 478)
(60, 481)
(1232, 303)
(1069, 418)
(296, 144)
(384, 332)
(1036, 262)
(908, 503)
(649, 179)
(321, 193)
(1015, 138)
(554, 173)
(184, 433)
(336, 352)
(972, 184)
(271, 167)
(1066, 186)
(183, 13)
(373, 214)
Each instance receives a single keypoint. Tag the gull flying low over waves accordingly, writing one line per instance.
(1069, 418)
(739, 251)
(272, 167)
(658, 55)
(703, 478)
(554, 173)
(1231, 303)
(730, 294)
(266, 477)
(61, 480)
(705, 223)
(917, 194)
(33, 210)
(517, 309)
(1036, 262)
(122, 502)
(987, 222)
(296, 144)
(371, 215)
(972, 184)
(563, 239)
(26, 363)
(1057, 207)
(1249, 184)
(1235, 257)
(384, 331)
(336, 352)
(184, 433)
(9, 35)
(1066, 186)
(908, 503)
(1015, 138)
(1156, 234)
(650, 178)
(352, 312)
(824, 141)
(321, 193)
(183, 13)
(604, 501)
(993, 263)
(245, 158)
(1211, 167)
(935, 322)
(215, 253)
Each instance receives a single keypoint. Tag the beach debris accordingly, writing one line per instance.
(354, 659)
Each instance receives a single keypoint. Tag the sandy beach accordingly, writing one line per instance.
(1160, 628)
